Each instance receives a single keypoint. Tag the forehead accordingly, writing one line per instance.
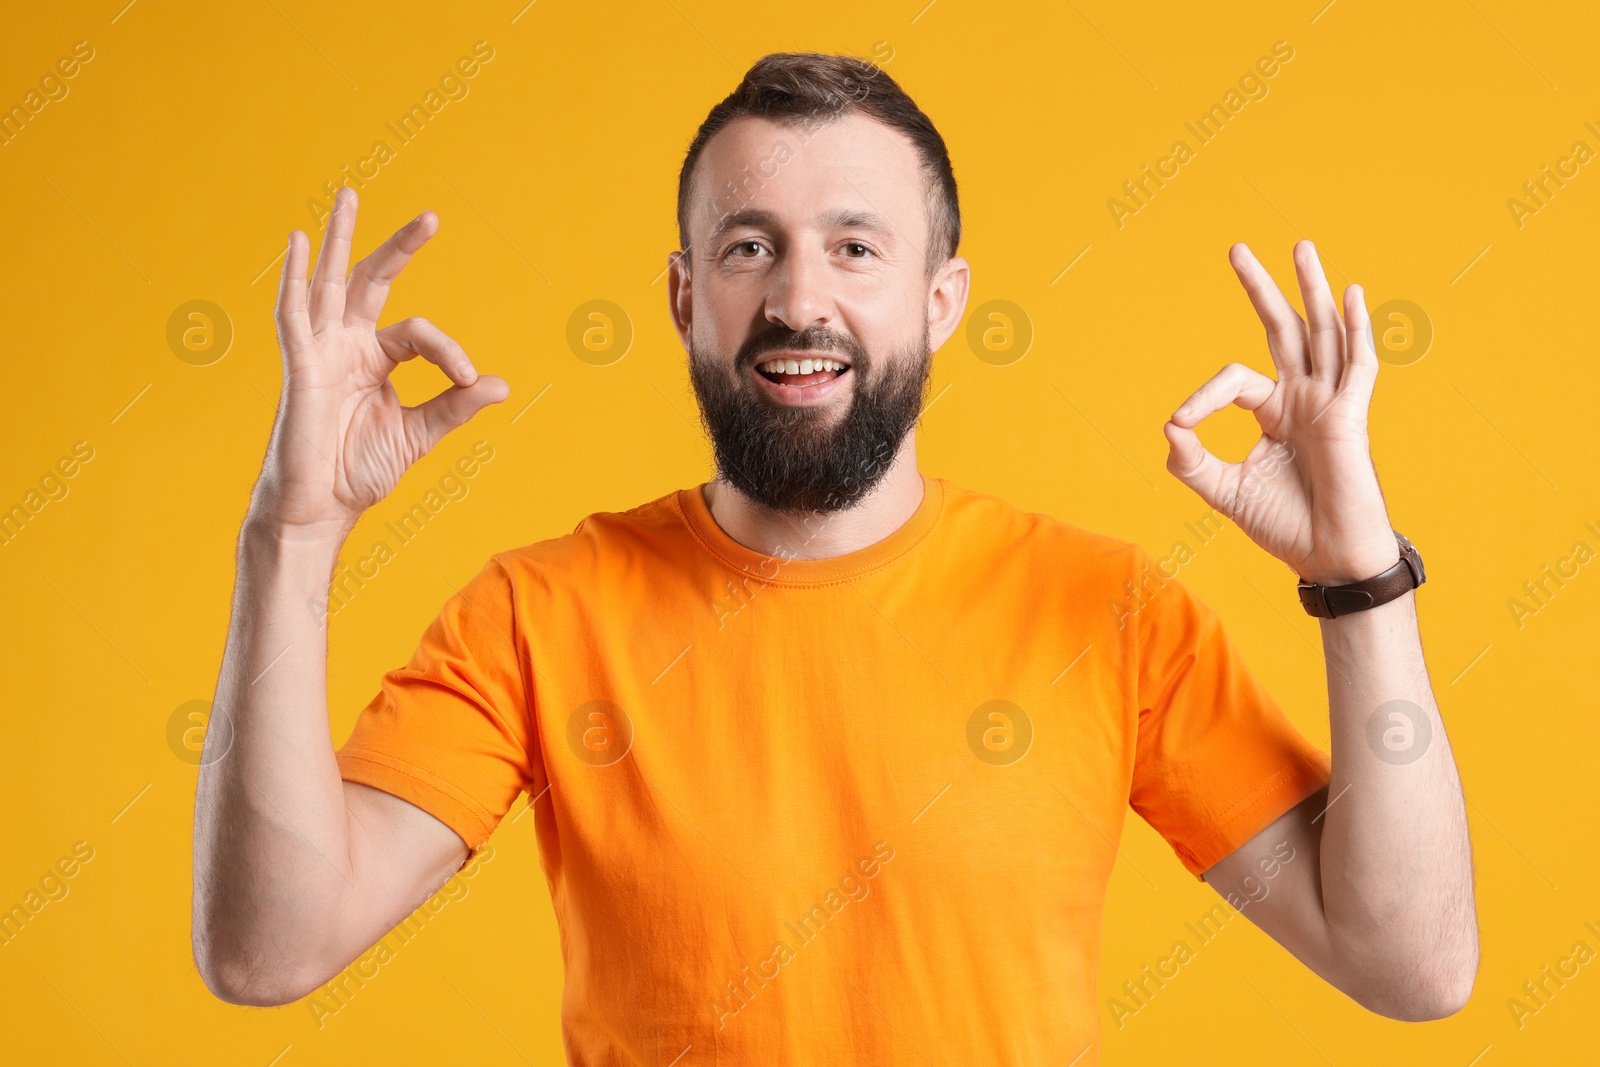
(800, 172)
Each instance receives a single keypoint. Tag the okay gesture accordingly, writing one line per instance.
(1307, 492)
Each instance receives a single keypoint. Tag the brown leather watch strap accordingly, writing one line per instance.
(1330, 602)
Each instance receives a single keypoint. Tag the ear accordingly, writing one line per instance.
(947, 300)
(680, 295)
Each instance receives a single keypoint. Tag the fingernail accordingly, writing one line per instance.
(1181, 411)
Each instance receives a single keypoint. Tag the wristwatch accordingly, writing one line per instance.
(1331, 601)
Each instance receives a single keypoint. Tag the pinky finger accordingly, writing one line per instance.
(1361, 354)
(294, 321)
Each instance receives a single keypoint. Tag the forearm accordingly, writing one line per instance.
(1395, 857)
(271, 847)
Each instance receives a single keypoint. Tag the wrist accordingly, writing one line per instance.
(262, 531)
(1330, 599)
(1349, 574)
(285, 571)
(1358, 562)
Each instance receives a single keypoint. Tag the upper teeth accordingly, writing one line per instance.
(801, 366)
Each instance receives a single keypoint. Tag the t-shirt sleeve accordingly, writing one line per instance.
(451, 730)
(1217, 761)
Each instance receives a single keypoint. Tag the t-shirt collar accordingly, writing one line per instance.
(779, 570)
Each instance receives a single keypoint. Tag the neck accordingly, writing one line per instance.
(822, 536)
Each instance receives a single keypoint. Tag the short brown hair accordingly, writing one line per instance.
(792, 87)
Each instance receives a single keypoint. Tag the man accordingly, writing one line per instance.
(828, 757)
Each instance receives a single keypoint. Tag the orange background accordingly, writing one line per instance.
(188, 146)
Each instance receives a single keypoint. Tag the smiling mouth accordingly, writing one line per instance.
(813, 370)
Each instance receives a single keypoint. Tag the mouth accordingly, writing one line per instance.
(798, 379)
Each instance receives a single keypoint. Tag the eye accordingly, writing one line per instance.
(857, 244)
(745, 244)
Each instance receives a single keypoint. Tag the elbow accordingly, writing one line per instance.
(1410, 968)
(1450, 994)
(1423, 1005)
(245, 961)
(244, 980)
(1439, 994)
(241, 985)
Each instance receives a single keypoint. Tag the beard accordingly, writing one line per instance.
(799, 460)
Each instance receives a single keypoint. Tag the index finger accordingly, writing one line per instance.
(1286, 331)
(370, 281)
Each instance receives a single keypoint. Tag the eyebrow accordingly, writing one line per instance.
(836, 218)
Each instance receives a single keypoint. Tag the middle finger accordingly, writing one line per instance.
(1326, 332)
(327, 280)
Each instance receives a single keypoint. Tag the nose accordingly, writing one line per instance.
(798, 296)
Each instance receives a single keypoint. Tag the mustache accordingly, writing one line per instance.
(807, 340)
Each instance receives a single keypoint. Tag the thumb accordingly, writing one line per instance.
(1194, 466)
(428, 422)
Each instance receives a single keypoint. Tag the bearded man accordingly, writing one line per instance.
(828, 756)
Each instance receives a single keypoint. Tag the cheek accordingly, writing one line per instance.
(724, 315)
(717, 342)
(887, 330)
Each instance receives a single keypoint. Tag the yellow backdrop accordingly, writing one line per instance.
(1441, 154)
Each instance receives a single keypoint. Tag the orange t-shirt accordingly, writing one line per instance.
(859, 809)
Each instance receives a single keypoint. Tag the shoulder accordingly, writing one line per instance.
(653, 528)
(975, 514)
(1060, 562)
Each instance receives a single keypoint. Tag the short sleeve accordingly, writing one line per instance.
(1217, 761)
(451, 730)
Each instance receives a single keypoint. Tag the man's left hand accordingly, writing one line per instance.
(1307, 492)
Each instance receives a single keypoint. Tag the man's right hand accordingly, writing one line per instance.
(342, 438)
